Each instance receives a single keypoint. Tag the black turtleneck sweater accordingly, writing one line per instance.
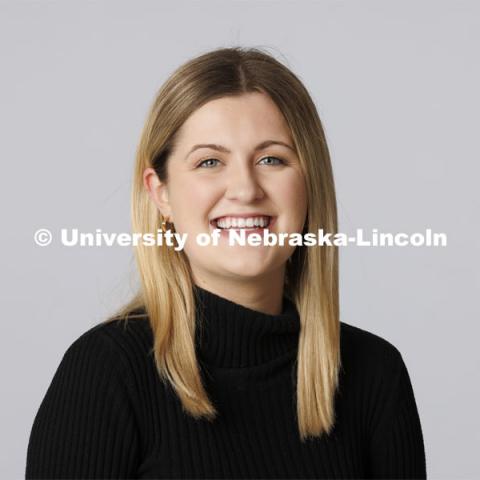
(106, 413)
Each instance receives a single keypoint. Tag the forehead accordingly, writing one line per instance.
(251, 117)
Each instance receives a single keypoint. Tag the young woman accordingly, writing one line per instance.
(231, 361)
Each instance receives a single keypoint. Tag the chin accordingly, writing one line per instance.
(244, 267)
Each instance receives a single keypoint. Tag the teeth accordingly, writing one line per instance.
(236, 222)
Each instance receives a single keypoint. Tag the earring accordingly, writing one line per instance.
(165, 226)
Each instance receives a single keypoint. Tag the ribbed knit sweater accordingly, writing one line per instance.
(107, 414)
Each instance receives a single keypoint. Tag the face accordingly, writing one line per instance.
(241, 178)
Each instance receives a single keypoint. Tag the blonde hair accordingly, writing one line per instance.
(166, 294)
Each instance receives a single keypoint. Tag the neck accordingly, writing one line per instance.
(263, 294)
(230, 335)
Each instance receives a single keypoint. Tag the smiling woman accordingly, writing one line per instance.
(237, 184)
(231, 361)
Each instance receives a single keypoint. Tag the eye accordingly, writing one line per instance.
(207, 160)
(203, 163)
(272, 158)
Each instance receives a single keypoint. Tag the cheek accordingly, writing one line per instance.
(191, 200)
(290, 196)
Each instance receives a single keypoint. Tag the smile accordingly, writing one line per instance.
(228, 222)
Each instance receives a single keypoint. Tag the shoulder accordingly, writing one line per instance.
(367, 353)
(114, 344)
(373, 370)
(135, 325)
(356, 338)
(120, 331)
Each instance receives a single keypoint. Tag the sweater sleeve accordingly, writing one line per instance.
(85, 426)
(396, 446)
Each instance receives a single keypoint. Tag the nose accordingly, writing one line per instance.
(243, 185)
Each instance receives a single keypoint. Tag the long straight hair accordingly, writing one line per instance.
(166, 292)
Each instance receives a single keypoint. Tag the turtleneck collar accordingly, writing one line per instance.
(230, 335)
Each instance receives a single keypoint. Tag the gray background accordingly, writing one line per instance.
(396, 85)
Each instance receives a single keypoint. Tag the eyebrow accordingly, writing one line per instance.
(221, 148)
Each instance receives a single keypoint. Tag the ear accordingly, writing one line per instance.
(158, 192)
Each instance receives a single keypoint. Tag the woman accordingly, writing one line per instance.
(231, 361)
